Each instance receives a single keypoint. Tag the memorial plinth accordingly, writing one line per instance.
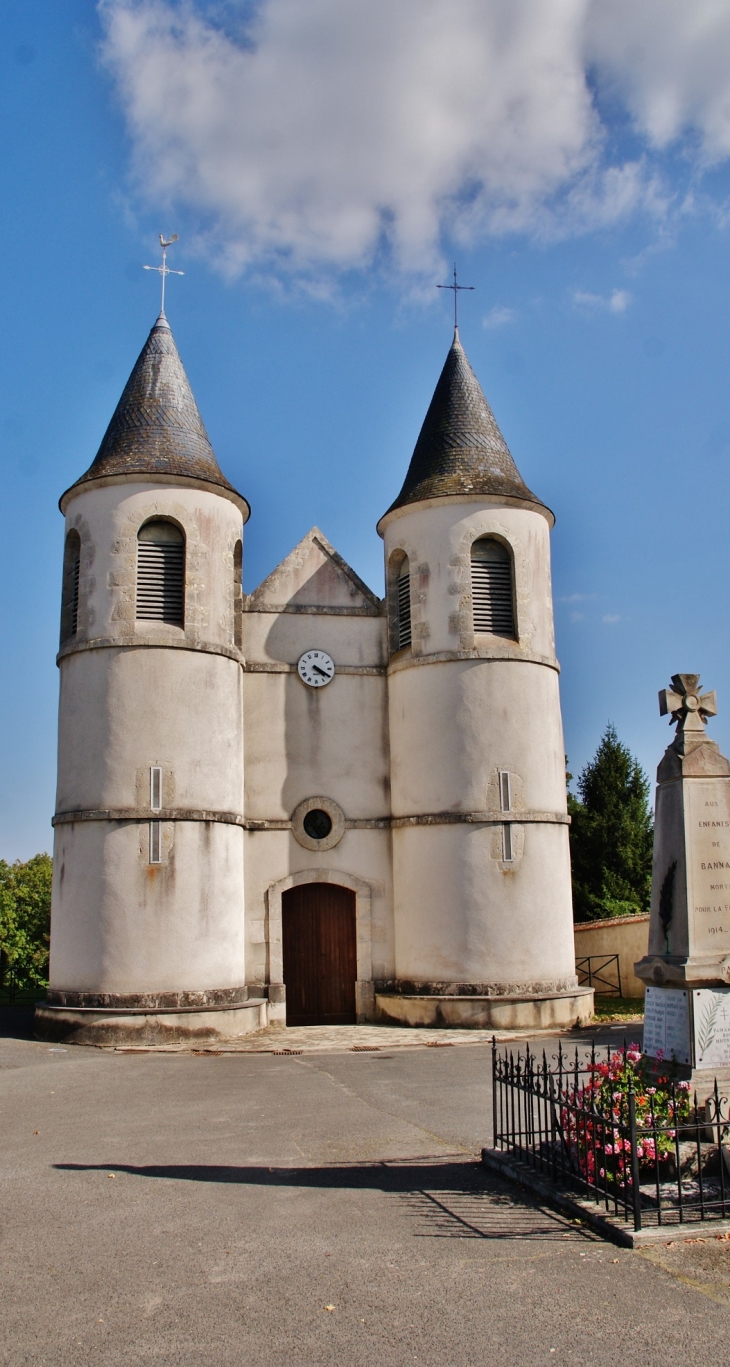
(689, 928)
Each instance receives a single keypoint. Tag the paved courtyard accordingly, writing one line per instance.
(324, 1207)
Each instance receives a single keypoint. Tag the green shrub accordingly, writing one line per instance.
(25, 921)
(611, 835)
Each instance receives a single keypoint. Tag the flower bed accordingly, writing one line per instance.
(596, 1116)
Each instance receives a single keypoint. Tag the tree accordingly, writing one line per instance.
(611, 835)
(25, 921)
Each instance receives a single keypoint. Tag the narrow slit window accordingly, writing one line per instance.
(155, 842)
(155, 788)
(507, 852)
(505, 796)
(491, 588)
(238, 595)
(403, 588)
(70, 586)
(161, 573)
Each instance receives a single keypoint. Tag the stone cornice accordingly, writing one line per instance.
(315, 610)
(279, 667)
(484, 818)
(144, 642)
(477, 653)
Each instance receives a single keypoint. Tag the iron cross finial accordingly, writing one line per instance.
(684, 703)
(456, 287)
(164, 270)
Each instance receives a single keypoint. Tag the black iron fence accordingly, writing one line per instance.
(15, 991)
(642, 1146)
(601, 971)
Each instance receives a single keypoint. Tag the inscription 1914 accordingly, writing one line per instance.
(709, 864)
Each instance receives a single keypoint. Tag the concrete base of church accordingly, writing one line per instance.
(544, 1011)
(95, 1025)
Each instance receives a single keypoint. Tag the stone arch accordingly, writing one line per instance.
(493, 598)
(364, 989)
(160, 580)
(71, 585)
(400, 556)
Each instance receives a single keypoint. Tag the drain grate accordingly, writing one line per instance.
(364, 1048)
(286, 1051)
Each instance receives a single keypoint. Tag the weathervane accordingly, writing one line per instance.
(455, 287)
(164, 269)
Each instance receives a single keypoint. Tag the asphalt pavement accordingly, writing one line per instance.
(183, 1210)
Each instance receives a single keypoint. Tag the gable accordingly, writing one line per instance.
(314, 578)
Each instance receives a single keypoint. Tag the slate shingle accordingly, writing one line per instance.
(156, 427)
(460, 449)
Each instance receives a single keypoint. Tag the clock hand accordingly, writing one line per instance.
(323, 672)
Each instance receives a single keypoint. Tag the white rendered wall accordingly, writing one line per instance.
(329, 742)
(462, 707)
(121, 925)
(138, 694)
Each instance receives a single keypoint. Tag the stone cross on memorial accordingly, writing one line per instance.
(687, 968)
(686, 705)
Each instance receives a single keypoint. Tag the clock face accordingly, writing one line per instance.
(316, 668)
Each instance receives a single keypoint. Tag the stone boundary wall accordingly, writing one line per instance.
(627, 936)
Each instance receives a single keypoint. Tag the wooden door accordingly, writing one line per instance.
(320, 954)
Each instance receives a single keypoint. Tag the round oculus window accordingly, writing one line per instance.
(317, 824)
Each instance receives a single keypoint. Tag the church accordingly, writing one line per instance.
(307, 804)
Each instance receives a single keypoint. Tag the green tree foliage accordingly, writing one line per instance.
(611, 835)
(25, 920)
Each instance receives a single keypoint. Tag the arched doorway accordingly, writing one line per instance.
(320, 954)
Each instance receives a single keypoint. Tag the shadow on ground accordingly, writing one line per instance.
(16, 1022)
(448, 1198)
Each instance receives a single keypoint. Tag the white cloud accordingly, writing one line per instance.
(320, 135)
(616, 302)
(577, 616)
(498, 317)
(577, 597)
(668, 60)
(611, 617)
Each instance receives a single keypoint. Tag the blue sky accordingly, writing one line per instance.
(575, 167)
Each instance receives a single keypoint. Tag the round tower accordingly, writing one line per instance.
(481, 866)
(147, 935)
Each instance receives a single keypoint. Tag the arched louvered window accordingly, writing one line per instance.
(70, 587)
(403, 596)
(238, 595)
(161, 573)
(491, 587)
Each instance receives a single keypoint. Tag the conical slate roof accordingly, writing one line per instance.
(156, 428)
(460, 449)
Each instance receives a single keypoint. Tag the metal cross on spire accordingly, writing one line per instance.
(456, 287)
(164, 269)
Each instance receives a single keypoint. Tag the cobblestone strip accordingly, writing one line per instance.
(329, 1039)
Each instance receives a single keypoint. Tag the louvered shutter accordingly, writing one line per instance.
(75, 596)
(161, 574)
(491, 587)
(404, 607)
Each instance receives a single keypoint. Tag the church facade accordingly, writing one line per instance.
(307, 804)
